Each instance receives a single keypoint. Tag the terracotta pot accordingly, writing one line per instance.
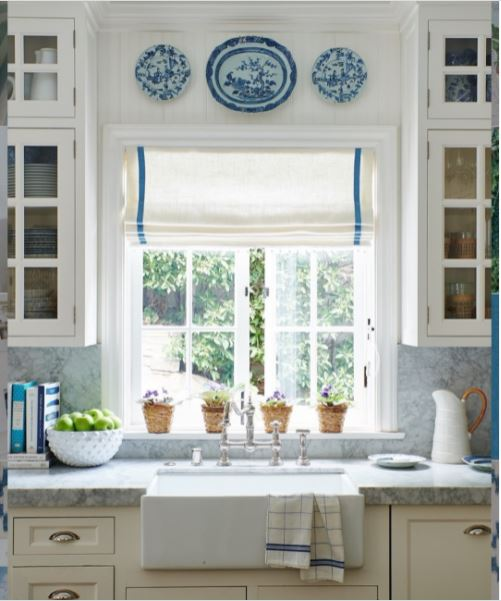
(213, 418)
(331, 417)
(280, 414)
(158, 417)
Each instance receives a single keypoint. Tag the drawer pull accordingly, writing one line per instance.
(64, 536)
(477, 530)
(64, 593)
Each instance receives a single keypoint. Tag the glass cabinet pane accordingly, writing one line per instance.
(460, 293)
(11, 49)
(40, 171)
(40, 232)
(11, 172)
(460, 88)
(487, 293)
(488, 52)
(460, 173)
(11, 293)
(488, 181)
(488, 88)
(11, 233)
(461, 51)
(460, 233)
(40, 86)
(40, 49)
(11, 86)
(488, 233)
(40, 293)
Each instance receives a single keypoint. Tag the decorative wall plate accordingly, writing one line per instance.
(251, 74)
(339, 74)
(162, 72)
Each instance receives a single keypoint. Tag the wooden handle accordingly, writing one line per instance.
(476, 422)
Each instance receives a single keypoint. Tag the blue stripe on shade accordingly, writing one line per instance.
(297, 548)
(140, 202)
(356, 197)
(327, 562)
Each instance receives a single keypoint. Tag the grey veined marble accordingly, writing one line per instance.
(78, 370)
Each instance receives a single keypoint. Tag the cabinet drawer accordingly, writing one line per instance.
(63, 536)
(91, 582)
(187, 592)
(317, 592)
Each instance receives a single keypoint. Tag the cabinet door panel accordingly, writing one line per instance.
(433, 557)
(188, 592)
(317, 592)
(90, 582)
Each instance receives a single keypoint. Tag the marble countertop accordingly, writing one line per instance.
(122, 482)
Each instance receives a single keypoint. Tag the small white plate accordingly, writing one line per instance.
(396, 460)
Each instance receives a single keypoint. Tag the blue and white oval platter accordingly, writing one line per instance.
(339, 74)
(252, 74)
(162, 72)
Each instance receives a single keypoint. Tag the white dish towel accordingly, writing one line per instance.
(305, 532)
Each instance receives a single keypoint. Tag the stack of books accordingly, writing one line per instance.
(31, 408)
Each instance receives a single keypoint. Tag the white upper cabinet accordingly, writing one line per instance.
(459, 74)
(41, 67)
(459, 228)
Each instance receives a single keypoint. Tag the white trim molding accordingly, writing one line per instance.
(382, 139)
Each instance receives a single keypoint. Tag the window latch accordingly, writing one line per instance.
(266, 292)
(365, 376)
(246, 291)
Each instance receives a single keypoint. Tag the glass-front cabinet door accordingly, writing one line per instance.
(40, 73)
(41, 232)
(459, 230)
(459, 70)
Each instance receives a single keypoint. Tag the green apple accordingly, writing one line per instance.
(64, 423)
(94, 413)
(84, 423)
(75, 414)
(104, 423)
(117, 422)
(107, 413)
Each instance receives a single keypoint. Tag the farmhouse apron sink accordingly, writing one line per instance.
(215, 517)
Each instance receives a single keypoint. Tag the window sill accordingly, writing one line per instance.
(142, 435)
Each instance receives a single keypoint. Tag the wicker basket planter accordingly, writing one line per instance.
(280, 414)
(213, 418)
(331, 417)
(158, 417)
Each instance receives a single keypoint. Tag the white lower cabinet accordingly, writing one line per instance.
(317, 592)
(187, 592)
(68, 582)
(440, 552)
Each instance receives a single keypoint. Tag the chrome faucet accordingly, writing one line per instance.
(246, 413)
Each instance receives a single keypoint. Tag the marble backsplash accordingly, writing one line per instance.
(420, 372)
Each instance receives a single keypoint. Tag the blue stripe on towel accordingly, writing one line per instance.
(327, 562)
(140, 203)
(356, 197)
(279, 547)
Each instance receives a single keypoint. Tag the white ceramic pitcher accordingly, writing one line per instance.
(451, 438)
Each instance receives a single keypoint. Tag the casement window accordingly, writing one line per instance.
(266, 260)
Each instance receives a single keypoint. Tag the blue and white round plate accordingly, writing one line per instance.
(396, 460)
(162, 72)
(481, 463)
(251, 74)
(339, 74)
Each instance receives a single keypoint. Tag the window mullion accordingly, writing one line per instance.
(313, 324)
(270, 329)
(241, 366)
(189, 320)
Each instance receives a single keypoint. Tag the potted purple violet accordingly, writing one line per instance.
(214, 399)
(276, 408)
(158, 409)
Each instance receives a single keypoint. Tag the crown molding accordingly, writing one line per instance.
(339, 15)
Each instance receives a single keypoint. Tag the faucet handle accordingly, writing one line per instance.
(303, 458)
(301, 431)
(275, 424)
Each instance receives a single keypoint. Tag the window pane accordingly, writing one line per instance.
(164, 288)
(335, 288)
(164, 362)
(293, 364)
(11, 171)
(213, 359)
(336, 361)
(213, 288)
(293, 288)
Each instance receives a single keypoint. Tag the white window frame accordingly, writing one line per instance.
(114, 304)
(132, 414)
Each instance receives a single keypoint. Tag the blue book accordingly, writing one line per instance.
(48, 411)
(18, 416)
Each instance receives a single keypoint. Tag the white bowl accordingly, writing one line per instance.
(84, 449)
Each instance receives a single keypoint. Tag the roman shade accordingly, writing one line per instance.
(271, 197)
